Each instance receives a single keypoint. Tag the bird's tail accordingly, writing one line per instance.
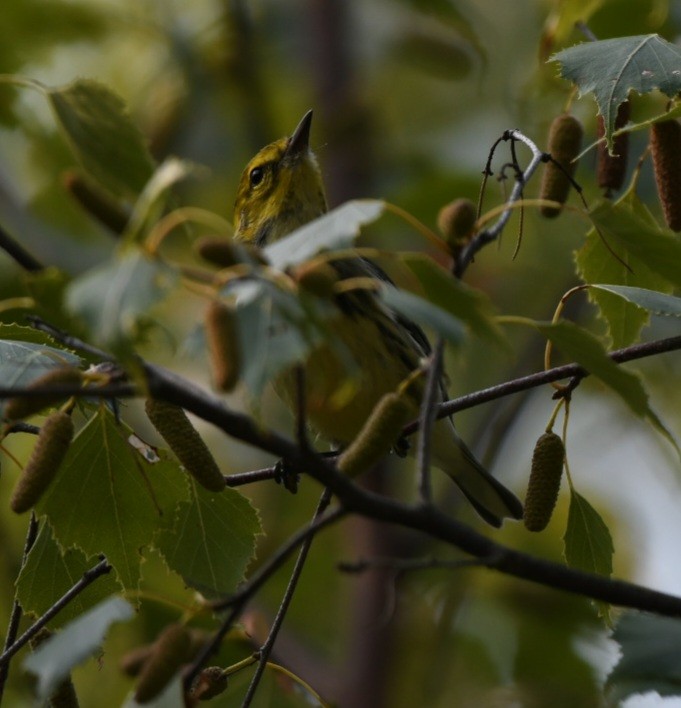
(488, 496)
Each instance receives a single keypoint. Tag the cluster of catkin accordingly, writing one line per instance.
(565, 144)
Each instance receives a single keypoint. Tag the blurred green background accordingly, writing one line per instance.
(409, 96)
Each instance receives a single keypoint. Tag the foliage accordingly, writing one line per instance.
(179, 553)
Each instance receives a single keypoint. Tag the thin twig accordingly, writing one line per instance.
(525, 383)
(404, 565)
(301, 408)
(427, 419)
(240, 599)
(491, 234)
(19, 253)
(241, 478)
(19, 426)
(67, 339)
(15, 616)
(266, 648)
(89, 576)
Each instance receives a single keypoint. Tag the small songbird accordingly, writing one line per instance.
(280, 190)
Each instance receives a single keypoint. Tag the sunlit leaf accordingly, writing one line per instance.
(107, 498)
(336, 230)
(611, 68)
(53, 660)
(210, 540)
(49, 573)
(102, 136)
(649, 657)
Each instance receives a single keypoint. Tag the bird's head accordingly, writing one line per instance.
(280, 190)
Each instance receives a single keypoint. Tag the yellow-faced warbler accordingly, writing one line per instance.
(280, 190)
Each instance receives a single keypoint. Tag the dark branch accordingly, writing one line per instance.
(266, 648)
(89, 576)
(15, 616)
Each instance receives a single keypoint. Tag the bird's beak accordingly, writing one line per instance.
(300, 140)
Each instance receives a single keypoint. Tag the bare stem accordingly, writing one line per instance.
(492, 233)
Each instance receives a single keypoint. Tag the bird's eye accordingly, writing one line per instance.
(256, 175)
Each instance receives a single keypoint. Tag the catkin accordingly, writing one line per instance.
(456, 222)
(183, 439)
(96, 202)
(64, 695)
(133, 661)
(49, 452)
(211, 682)
(318, 278)
(223, 345)
(611, 169)
(665, 146)
(542, 489)
(565, 141)
(377, 436)
(22, 407)
(169, 652)
(218, 251)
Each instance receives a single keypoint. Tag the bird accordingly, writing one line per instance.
(280, 190)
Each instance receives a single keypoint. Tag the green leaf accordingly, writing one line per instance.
(631, 230)
(651, 300)
(423, 312)
(611, 68)
(597, 265)
(650, 658)
(470, 306)
(588, 544)
(103, 138)
(586, 350)
(21, 362)
(336, 230)
(210, 540)
(53, 660)
(108, 498)
(275, 329)
(113, 299)
(49, 573)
